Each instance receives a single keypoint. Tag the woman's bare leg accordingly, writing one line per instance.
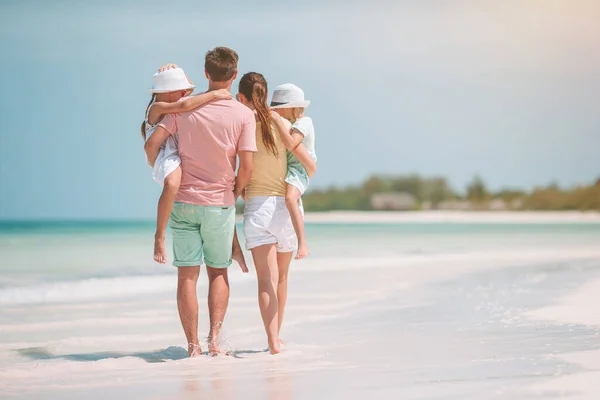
(283, 265)
(265, 260)
(165, 206)
(292, 198)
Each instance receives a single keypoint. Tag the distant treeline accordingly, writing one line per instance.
(436, 193)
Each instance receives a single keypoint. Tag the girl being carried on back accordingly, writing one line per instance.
(288, 101)
(170, 85)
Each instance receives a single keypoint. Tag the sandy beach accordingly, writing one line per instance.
(577, 308)
(473, 309)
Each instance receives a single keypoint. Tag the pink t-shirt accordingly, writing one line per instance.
(209, 139)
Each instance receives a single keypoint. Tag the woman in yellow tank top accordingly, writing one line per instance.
(267, 224)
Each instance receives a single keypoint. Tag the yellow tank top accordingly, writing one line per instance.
(269, 170)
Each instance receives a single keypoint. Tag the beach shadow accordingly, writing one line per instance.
(170, 353)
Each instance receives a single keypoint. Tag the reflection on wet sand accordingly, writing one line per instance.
(229, 380)
(279, 380)
(209, 382)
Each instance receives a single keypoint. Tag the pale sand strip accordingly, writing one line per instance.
(583, 385)
(577, 308)
(472, 217)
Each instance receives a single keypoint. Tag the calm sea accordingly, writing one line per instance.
(41, 251)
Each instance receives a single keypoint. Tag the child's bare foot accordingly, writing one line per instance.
(194, 350)
(302, 251)
(238, 256)
(160, 253)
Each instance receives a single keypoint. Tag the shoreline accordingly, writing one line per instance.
(356, 216)
(471, 217)
(485, 217)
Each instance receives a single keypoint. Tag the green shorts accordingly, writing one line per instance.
(202, 233)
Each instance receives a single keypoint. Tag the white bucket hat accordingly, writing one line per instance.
(288, 95)
(170, 80)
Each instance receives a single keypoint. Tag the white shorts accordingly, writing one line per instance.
(167, 161)
(267, 221)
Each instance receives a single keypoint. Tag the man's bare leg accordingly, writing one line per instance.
(265, 260)
(187, 304)
(218, 298)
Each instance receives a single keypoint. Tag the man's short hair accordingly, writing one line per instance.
(221, 64)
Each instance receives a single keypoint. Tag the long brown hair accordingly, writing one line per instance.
(254, 87)
(144, 123)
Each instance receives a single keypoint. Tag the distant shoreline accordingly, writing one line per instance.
(484, 217)
(358, 217)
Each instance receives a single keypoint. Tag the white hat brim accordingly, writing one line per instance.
(171, 90)
(292, 104)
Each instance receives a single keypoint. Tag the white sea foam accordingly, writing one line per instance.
(89, 289)
(127, 287)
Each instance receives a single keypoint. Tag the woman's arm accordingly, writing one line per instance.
(290, 138)
(160, 108)
(244, 173)
(305, 159)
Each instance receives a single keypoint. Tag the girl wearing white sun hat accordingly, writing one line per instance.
(170, 85)
(288, 101)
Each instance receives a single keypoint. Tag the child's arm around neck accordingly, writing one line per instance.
(188, 103)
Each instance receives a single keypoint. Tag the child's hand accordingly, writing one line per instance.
(222, 94)
(276, 117)
(167, 66)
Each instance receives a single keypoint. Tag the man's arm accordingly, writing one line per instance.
(244, 172)
(152, 146)
(305, 159)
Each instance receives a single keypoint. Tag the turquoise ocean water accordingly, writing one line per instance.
(35, 252)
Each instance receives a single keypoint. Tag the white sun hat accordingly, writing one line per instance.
(288, 95)
(170, 80)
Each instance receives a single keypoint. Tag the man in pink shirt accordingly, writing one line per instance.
(203, 218)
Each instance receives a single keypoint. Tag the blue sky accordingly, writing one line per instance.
(509, 90)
